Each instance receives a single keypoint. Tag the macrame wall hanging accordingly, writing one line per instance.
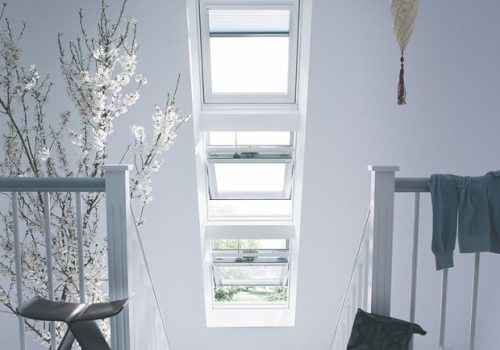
(403, 19)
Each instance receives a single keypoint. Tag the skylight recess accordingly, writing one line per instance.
(249, 107)
(249, 54)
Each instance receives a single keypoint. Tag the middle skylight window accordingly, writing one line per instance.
(249, 53)
(250, 172)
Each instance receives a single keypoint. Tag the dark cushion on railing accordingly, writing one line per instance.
(376, 332)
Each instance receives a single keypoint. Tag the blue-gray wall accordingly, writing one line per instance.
(451, 124)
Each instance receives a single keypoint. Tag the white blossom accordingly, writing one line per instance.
(43, 153)
(141, 79)
(139, 132)
(130, 99)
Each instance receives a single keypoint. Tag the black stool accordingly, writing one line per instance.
(80, 318)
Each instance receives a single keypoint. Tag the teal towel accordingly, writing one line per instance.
(479, 214)
(475, 201)
(444, 195)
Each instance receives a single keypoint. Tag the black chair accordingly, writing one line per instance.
(80, 318)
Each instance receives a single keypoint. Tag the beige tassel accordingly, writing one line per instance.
(401, 84)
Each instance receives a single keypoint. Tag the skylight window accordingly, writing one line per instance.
(246, 270)
(249, 54)
(256, 173)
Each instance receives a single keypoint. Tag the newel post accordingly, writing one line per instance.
(117, 218)
(381, 225)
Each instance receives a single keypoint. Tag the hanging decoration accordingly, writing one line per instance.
(403, 18)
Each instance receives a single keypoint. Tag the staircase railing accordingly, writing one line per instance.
(140, 325)
(148, 330)
(369, 285)
(357, 294)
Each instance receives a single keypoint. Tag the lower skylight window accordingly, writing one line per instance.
(250, 271)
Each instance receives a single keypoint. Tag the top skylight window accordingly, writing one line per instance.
(249, 53)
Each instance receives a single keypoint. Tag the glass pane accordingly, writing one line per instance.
(251, 294)
(220, 244)
(224, 209)
(249, 138)
(247, 64)
(249, 21)
(250, 274)
(250, 177)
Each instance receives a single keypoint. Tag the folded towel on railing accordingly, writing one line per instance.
(476, 203)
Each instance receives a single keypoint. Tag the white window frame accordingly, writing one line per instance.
(268, 155)
(247, 98)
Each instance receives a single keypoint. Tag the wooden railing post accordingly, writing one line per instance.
(117, 219)
(381, 226)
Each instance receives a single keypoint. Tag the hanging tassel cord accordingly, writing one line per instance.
(401, 84)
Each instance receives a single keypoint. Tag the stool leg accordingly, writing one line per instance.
(88, 335)
(67, 341)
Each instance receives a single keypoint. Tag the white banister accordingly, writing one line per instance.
(19, 272)
(48, 257)
(117, 219)
(381, 224)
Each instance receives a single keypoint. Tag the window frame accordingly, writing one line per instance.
(265, 155)
(247, 258)
(208, 97)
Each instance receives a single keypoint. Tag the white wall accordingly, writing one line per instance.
(450, 124)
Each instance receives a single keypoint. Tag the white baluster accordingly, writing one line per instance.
(79, 237)
(444, 299)
(18, 262)
(475, 292)
(414, 260)
(48, 256)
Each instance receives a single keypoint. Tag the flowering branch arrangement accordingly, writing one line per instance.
(101, 80)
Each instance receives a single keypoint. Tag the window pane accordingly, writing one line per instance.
(247, 64)
(250, 177)
(226, 209)
(249, 21)
(236, 274)
(250, 294)
(220, 244)
(249, 138)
